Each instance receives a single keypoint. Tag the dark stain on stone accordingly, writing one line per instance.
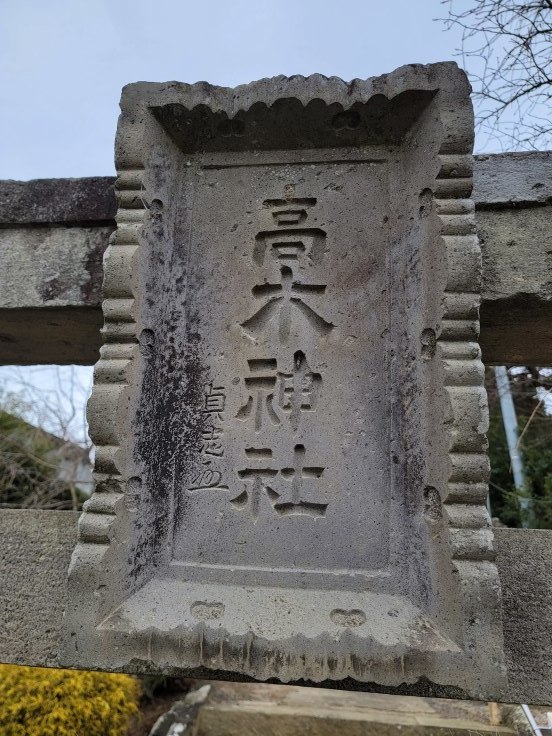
(51, 289)
(64, 201)
(168, 424)
(432, 504)
(91, 291)
(192, 419)
(147, 343)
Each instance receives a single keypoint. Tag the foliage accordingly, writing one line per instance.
(507, 50)
(536, 445)
(29, 468)
(51, 702)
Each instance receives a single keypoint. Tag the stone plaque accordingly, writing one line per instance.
(289, 410)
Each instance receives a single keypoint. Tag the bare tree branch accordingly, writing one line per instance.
(507, 51)
(44, 446)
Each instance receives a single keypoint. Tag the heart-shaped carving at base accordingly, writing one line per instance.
(349, 619)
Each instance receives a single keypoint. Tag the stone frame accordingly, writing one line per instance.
(103, 573)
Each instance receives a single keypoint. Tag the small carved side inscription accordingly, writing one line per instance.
(212, 448)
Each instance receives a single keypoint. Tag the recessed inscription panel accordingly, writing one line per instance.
(290, 467)
(268, 419)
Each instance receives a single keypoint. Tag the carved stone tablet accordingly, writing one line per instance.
(289, 410)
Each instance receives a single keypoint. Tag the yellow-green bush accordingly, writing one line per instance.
(49, 702)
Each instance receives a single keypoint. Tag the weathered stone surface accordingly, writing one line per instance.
(513, 194)
(288, 412)
(63, 201)
(524, 557)
(510, 202)
(36, 546)
(507, 180)
(50, 284)
(279, 710)
(58, 267)
(35, 549)
(500, 180)
(517, 259)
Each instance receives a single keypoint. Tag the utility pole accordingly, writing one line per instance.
(509, 419)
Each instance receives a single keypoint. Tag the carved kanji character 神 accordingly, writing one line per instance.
(261, 385)
(293, 392)
(299, 390)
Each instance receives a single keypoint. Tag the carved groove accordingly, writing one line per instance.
(454, 206)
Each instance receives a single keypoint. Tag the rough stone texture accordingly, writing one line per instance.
(517, 259)
(53, 266)
(35, 549)
(279, 710)
(59, 271)
(268, 279)
(53, 234)
(507, 180)
(512, 197)
(63, 201)
(513, 193)
(524, 558)
(36, 546)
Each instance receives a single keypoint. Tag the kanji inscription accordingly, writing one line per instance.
(272, 392)
(289, 483)
(208, 477)
(275, 399)
(278, 329)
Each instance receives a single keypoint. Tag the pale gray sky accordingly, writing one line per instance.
(63, 64)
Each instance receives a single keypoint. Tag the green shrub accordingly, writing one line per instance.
(50, 702)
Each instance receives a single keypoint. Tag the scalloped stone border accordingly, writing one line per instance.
(100, 561)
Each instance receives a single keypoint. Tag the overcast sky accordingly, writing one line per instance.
(63, 64)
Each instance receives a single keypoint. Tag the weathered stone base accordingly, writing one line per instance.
(36, 548)
(348, 636)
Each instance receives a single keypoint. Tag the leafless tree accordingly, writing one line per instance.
(44, 445)
(507, 51)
